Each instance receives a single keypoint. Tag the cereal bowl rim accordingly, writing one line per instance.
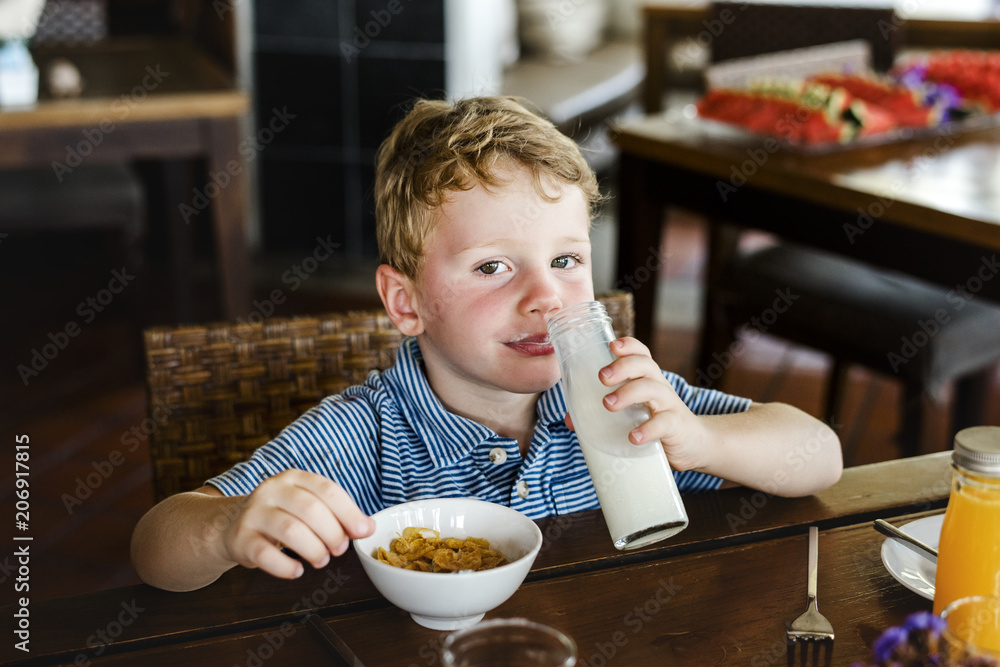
(531, 554)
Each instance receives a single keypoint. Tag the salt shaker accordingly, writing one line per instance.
(969, 549)
(634, 483)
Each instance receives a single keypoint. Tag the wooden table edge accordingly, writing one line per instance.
(156, 108)
(928, 498)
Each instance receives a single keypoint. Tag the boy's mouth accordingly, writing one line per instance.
(534, 345)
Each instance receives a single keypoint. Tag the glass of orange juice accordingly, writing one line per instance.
(972, 631)
(969, 549)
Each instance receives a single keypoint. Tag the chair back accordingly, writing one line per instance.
(749, 29)
(219, 391)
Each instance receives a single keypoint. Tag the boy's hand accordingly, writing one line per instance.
(306, 512)
(671, 421)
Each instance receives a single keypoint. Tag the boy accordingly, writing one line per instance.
(483, 212)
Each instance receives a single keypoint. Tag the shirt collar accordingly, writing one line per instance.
(449, 437)
(551, 407)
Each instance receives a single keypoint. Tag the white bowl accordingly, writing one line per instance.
(448, 601)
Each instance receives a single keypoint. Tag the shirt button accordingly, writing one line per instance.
(522, 489)
(498, 455)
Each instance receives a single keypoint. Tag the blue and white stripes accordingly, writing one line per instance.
(390, 440)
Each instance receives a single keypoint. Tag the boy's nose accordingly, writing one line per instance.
(541, 296)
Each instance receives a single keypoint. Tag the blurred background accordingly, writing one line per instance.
(324, 80)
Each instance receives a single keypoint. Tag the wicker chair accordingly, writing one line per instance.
(218, 392)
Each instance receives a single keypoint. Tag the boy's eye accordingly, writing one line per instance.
(565, 262)
(492, 268)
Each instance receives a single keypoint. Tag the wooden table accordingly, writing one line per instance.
(929, 207)
(954, 26)
(719, 592)
(159, 99)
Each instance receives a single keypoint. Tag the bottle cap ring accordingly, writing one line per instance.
(977, 449)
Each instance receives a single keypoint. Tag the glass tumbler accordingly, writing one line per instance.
(971, 634)
(508, 642)
(634, 483)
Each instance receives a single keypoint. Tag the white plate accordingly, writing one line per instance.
(906, 566)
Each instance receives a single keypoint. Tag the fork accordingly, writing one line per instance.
(811, 625)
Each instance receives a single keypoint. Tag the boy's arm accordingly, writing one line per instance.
(774, 447)
(175, 545)
(188, 540)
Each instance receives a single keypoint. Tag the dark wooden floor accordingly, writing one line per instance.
(90, 476)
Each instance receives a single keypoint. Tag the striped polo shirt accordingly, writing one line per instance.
(390, 441)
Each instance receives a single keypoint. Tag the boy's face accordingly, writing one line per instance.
(496, 266)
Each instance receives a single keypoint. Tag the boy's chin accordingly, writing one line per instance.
(532, 385)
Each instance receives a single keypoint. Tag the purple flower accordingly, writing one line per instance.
(925, 621)
(913, 76)
(942, 96)
(886, 646)
(915, 644)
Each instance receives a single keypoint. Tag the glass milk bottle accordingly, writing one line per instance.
(634, 483)
(969, 550)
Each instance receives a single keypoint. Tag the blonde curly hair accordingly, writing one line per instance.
(442, 147)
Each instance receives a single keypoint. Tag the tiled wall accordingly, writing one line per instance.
(345, 69)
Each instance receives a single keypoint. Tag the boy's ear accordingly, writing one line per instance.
(397, 294)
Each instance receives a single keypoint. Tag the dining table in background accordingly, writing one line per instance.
(720, 592)
(970, 25)
(150, 98)
(927, 205)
